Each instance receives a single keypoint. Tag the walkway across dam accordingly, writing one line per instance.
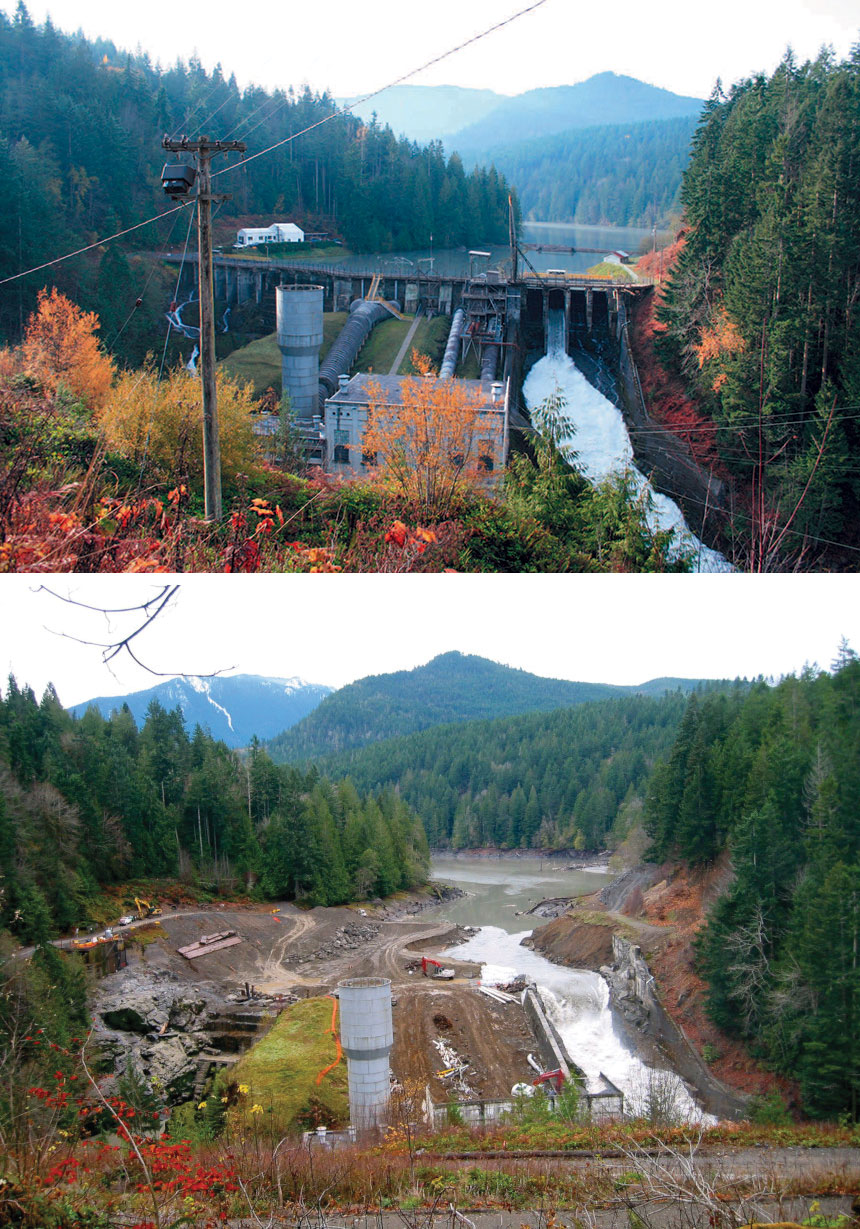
(241, 280)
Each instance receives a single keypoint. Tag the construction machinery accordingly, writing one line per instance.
(433, 968)
(147, 909)
(554, 1080)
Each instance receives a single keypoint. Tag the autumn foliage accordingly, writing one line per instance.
(60, 348)
(720, 337)
(428, 448)
(158, 425)
(667, 399)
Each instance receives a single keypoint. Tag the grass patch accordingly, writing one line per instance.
(310, 253)
(380, 350)
(281, 1070)
(608, 268)
(430, 338)
(260, 361)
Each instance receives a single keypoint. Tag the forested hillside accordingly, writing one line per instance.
(760, 314)
(80, 158)
(235, 709)
(774, 777)
(542, 780)
(621, 175)
(87, 803)
(451, 687)
(605, 98)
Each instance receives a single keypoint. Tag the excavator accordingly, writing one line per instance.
(555, 1080)
(145, 909)
(433, 968)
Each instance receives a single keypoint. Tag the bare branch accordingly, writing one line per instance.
(151, 609)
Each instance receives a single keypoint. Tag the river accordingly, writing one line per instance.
(592, 435)
(499, 891)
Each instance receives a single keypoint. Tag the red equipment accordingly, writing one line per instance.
(556, 1078)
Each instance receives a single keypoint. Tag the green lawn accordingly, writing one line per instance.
(281, 1070)
(609, 268)
(380, 350)
(260, 361)
(429, 339)
(314, 253)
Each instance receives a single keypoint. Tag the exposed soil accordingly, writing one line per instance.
(581, 945)
(678, 902)
(492, 1038)
(662, 910)
(290, 951)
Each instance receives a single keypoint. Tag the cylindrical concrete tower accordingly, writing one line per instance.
(367, 1035)
(300, 335)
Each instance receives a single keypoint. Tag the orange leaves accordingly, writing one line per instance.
(319, 558)
(721, 337)
(60, 347)
(418, 538)
(397, 533)
(428, 442)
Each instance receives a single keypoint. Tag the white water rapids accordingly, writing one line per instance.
(599, 446)
(578, 1004)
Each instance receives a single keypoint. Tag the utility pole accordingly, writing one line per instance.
(204, 149)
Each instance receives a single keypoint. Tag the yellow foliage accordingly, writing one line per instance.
(429, 448)
(160, 424)
(60, 347)
(721, 337)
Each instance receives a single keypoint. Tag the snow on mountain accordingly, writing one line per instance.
(234, 708)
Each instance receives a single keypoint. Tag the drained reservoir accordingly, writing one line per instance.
(499, 891)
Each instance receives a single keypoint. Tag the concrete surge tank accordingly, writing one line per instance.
(367, 1035)
(300, 335)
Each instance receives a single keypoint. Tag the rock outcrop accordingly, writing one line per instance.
(633, 994)
(148, 1019)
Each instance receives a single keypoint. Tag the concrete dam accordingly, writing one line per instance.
(504, 322)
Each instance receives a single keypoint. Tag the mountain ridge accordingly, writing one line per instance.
(452, 687)
(228, 707)
(604, 99)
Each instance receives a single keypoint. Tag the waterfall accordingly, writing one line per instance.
(598, 445)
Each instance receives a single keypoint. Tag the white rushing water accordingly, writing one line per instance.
(599, 446)
(578, 1003)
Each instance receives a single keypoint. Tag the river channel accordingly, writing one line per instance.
(499, 892)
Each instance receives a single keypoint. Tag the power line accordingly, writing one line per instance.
(406, 76)
(397, 81)
(49, 264)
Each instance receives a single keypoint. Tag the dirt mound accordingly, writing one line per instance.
(579, 945)
(493, 1039)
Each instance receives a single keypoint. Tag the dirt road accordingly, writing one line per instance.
(286, 950)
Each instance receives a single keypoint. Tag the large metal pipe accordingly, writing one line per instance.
(367, 1035)
(452, 348)
(363, 315)
(489, 362)
(300, 335)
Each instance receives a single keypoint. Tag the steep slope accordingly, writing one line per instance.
(451, 688)
(606, 98)
(623, 174)
(233, 709)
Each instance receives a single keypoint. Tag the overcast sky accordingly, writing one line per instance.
(353, 48)
(333, 629)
